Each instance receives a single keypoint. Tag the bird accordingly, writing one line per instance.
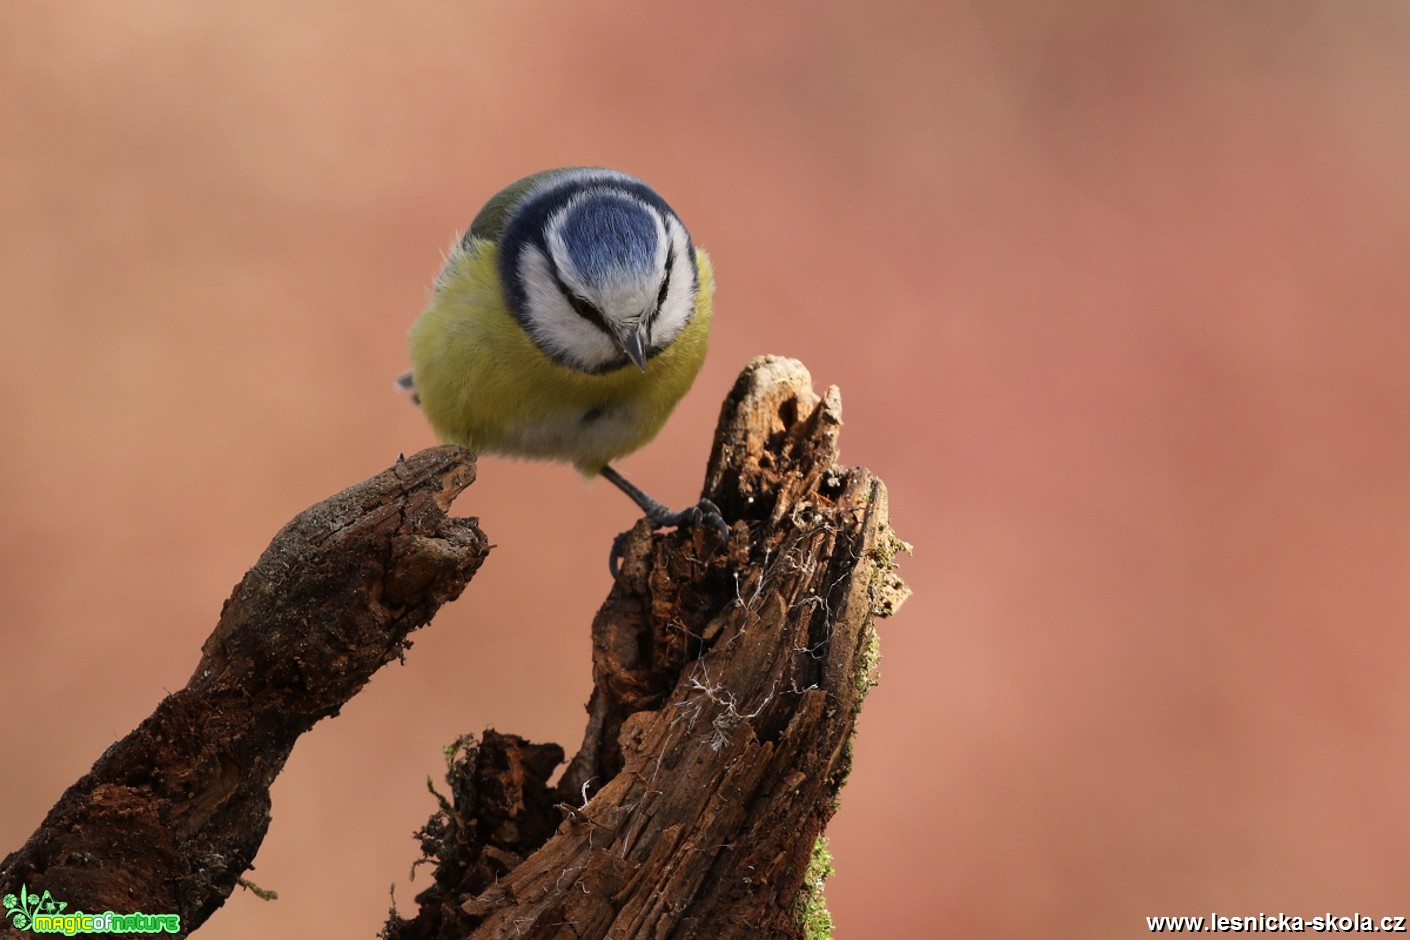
(565, 325)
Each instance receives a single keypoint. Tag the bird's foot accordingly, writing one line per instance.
(704, 512)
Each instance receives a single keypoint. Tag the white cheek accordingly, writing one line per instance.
(679, 305)
(558, 248)
(555, 325)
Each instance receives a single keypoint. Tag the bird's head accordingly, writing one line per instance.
(597, 268)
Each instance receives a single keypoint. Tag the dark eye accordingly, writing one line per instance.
(584, 307)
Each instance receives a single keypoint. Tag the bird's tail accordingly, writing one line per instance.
(404, 383)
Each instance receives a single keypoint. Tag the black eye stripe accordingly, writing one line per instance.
(581, 305)
(665, 281)
(586, 310)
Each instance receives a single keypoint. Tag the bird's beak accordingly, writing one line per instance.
(634, 345)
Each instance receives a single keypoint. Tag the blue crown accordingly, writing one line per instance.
(607, 235)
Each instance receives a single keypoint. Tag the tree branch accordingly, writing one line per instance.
(170, 816)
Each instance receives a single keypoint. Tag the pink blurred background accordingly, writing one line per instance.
(1116, 295)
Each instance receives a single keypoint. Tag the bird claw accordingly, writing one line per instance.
(692, 517)
(710, 513)
(619, 550)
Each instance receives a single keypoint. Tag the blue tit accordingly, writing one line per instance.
(565, 325)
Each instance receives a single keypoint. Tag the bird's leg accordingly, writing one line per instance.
(660, 516)
(702, 512)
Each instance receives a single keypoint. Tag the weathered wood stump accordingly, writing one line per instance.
(727, 683)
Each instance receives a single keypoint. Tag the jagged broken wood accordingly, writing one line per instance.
(171, 815)
(727, 685)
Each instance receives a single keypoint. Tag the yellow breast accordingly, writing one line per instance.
(483, 383)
